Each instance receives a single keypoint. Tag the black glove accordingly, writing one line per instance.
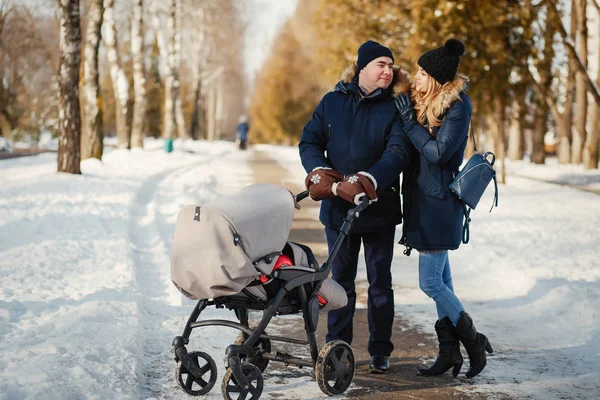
(406, 109)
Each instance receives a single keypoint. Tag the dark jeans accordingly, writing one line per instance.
(378, 249)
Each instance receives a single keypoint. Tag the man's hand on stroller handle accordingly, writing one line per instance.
(356, 186)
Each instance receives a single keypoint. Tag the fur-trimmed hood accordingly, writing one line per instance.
(449, 95)
(400, 82)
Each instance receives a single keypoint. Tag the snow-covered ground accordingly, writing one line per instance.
(87, 309)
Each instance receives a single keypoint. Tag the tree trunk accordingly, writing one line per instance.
(516, 132)
(139, 81)
(590, 151)
(181, 132)
(5, 128)
(538, 155)
(117, 75)
(581, 102)
(200, 46)
(197, 114)
(172, 102)
(565, 125)
(69, 118)
(92, 133)
(219, 108)
(500, 150)
(210, 112)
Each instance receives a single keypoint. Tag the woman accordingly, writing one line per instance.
(438, 126)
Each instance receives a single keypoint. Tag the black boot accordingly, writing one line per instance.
(379, 364)
(449, 355)
(475, 343)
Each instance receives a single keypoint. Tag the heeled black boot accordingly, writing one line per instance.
(475, 343)
(449, 355)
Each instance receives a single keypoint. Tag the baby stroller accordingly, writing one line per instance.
(234, 254)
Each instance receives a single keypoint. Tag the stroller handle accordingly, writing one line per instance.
(364, 202)
(302, 195)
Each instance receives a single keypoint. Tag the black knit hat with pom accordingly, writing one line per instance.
(442, 63)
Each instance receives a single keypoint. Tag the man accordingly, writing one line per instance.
(354, 146)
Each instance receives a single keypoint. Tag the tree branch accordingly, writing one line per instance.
(537, 88)
(570, 46)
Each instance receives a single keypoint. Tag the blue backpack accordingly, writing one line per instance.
(470, 183)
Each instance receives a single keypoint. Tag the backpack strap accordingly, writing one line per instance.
(472, 133)
(495, 200)
(465, 232)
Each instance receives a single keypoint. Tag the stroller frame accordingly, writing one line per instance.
(246, 378)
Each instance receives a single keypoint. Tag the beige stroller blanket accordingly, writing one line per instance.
(219, 248)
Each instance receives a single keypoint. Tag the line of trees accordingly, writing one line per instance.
(528, 63)
(119, 67)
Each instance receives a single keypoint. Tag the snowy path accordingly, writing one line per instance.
(87, 310)
(150, 255)
(152, 214)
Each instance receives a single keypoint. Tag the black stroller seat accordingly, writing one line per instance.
(294, 261)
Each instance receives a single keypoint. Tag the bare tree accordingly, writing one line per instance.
(29, 58)
(5, 126)
(173, 121)
(564, 121)
(201, 48)
(581, 101)
(590, 150)
(92, 133)
(139, 81)
(117, 75)
(500, 131)
(69, 115)
(516, 131)
(543, 91)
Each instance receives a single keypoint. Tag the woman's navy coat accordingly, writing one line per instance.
(433, 214)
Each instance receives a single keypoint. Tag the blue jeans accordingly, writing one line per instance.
(435, 280)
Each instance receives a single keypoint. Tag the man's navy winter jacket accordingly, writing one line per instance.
(352, 133)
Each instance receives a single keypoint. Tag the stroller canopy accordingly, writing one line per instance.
(219, 248)
(262, 215)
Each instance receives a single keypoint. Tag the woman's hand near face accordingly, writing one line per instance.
(405, 108)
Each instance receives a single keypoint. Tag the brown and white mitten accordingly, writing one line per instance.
(319, 182)
(355, 186)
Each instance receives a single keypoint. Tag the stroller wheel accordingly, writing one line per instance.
(197, 385)
(334, 369)
(231, 390)
(263, 345)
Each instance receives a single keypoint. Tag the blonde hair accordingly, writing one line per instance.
(427, 108)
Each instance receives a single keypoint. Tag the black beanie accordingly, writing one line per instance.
(442, 63)
(370, 50)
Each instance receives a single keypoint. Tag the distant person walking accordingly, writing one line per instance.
(242, 132)
(437, 126)
(354, 146)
